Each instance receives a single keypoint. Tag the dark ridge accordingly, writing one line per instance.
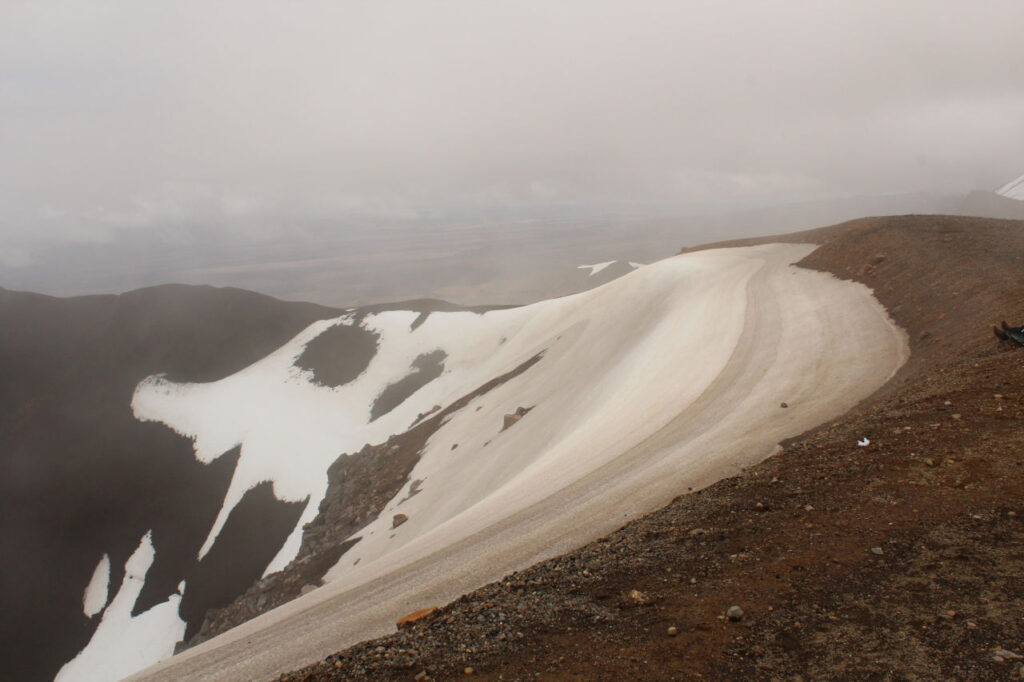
(425, 368)
(79, 475)
(359, 486)
(339, 355)
(252, 535)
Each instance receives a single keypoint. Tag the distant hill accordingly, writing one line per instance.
(1007, 202)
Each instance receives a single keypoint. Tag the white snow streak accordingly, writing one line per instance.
(123, 644)
(595, 268)
(96, 592)
(1013, 189)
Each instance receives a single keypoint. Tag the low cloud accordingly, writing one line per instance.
(260, 117)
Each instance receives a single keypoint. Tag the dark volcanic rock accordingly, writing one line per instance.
(513, 418)
(339, 354)
(252, 535)
(425, 368)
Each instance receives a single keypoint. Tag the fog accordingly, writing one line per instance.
(171, 124)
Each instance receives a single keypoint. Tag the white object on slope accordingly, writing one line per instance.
(595, 268)
(1014, 189)
(122, 643)
(97, 591)
(863, 442)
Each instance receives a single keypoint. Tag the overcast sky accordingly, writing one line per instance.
(255, 115)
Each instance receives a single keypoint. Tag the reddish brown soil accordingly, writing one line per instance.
(901, 560)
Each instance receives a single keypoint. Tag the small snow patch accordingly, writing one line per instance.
(96, 592)
(123, 643)
(595, 268)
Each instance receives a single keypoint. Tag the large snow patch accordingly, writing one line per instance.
(667, 378)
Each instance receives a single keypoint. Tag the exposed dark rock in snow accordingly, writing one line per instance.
(425, 368)
(514, 417)
(359, 487)
(339, 354)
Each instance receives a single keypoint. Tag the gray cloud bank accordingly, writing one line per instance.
(258, 117)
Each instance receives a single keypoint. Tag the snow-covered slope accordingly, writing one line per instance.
(667, 378)
(1014, 189)
(1007, 202)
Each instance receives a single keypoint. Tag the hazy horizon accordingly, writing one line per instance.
(134, 135)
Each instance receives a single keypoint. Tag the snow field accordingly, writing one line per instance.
(667, 378)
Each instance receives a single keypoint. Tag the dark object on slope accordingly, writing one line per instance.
(1008, 333)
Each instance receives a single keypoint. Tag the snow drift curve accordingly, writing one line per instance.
(670, 377)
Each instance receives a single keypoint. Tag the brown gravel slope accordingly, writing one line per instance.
(899, 560)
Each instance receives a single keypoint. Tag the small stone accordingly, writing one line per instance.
(638, 597)
(422, 675)
(948, 615)
(929, 461)
(734, 613)
(337, 664)
(697, 532)
(948, 403)
(1008, 655)
(398, 519)
(877, 550)
(956, 415)
(673, 631)
(784, 405)
(468, 671)
(808, 508)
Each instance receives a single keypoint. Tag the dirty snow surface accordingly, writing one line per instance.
(667, 378)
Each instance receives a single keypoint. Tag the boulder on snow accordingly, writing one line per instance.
(398, 519)
(513, 418)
